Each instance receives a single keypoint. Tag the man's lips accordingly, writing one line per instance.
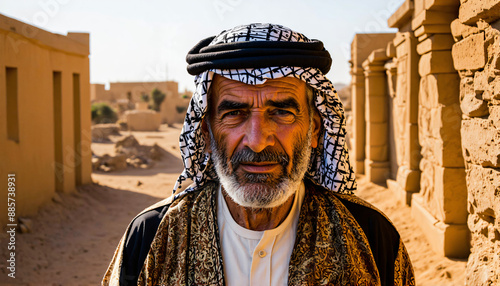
(259, 167)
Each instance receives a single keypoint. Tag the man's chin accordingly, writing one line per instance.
(259, 195)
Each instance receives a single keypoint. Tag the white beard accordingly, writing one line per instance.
(259, 194)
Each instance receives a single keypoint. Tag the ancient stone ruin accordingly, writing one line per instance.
(426, 121)
(128, 152)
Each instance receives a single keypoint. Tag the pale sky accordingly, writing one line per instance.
(149, 40)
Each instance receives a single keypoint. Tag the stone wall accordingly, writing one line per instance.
(441, 126)
(476, 55)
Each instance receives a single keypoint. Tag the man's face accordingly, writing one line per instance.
(260, 138)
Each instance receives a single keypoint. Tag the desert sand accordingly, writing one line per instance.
(73, 238)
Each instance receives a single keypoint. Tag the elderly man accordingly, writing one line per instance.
(271, 201)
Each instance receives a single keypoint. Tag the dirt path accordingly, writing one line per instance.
(73, 240)
(430, 268)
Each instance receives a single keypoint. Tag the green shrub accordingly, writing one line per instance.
(103, 113)
(157, 96)
(181, 109)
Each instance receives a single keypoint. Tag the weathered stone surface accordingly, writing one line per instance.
(432, 29)
(442, 122)
(451, 240)
(484, 223)
(481, 81)
(473, 106)
(483, 185)
(471, 91)
(441, 150)
(143, 120)
(408, 179)
(445, 122)
(447, 153)
(391, 50)
(439, 89)
(432, 17)
(481, 142)
(484, 261)
(444, 192)
(128, 153)
(460, 31)
(440, 4)
(109, 163)
(402, 51)
(127, 145)
(378, 56)
(377, 172)
(401, 38)
(101, 132)
(469, 53)
(438, 42)
(376, 141)
(472, 10)
(412, 148)
(376, 108)
(363, 44)
(435, 62)
(494, 90)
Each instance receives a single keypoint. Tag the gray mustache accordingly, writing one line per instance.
(267, 155)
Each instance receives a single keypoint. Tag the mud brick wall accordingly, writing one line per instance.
(476, 55)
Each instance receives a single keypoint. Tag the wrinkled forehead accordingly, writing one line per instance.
(223, 87)
(223, 84)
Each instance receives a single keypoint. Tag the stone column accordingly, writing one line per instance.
(440, 206)
(361, 47)
(476, 55)
(391, 71)
(376, 117)
(358, 113)
(405, 106)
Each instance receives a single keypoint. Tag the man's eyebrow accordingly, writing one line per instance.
(230, 105)
(285, 103)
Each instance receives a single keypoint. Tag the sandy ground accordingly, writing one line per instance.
(73, 239)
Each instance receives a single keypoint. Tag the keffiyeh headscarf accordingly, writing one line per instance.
(252, 54)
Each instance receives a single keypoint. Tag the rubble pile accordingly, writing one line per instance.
(101, 132)
(128, 153)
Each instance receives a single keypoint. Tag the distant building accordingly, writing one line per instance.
(172, 109)
(45, 113)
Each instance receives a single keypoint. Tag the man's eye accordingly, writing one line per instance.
(282, 112)
(232, 113)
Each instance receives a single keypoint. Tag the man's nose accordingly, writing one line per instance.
(259, 133)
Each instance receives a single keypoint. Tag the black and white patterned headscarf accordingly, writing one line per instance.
(329, 166)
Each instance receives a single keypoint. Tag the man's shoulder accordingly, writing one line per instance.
(381, 234)
(362, 210)
(142, 231)
(151, 217)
